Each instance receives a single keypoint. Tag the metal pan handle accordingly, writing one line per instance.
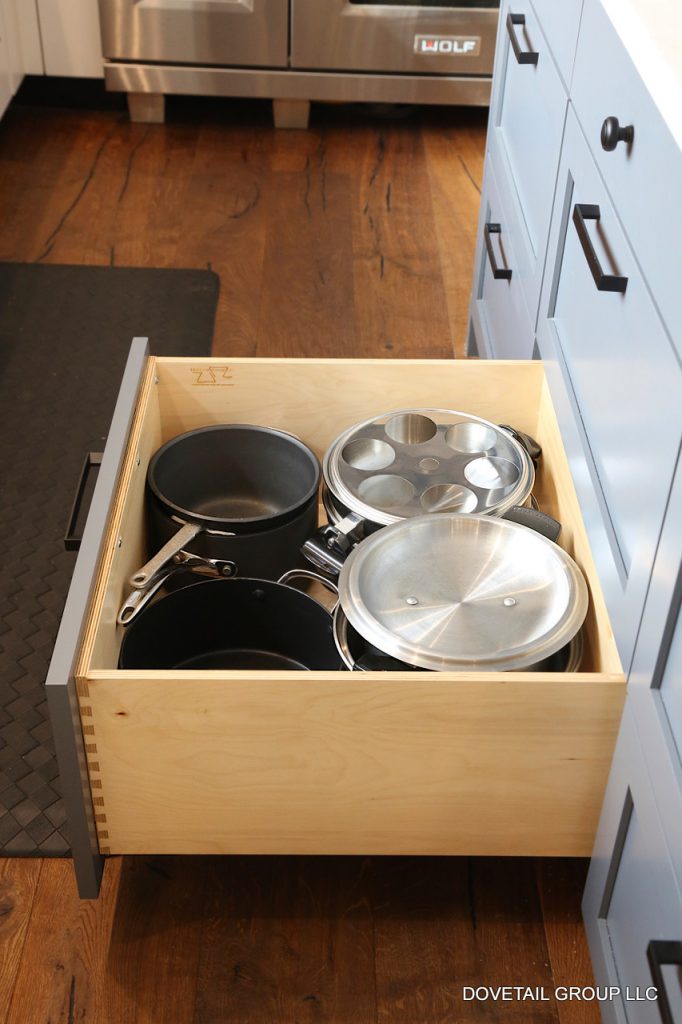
(146, 575)
(308, 574)
(136, 601)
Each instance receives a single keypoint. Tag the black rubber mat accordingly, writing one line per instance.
(64, 338)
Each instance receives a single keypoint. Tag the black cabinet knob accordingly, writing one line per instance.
(612, 134)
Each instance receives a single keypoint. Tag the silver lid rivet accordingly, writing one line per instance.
(509, 602)
(411, 600)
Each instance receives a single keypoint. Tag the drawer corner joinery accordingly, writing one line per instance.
(454, 735)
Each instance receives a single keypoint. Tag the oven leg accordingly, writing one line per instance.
(291, 113)
(147, 107)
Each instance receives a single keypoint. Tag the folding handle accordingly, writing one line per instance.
(71, 541)
(660, 952)
(499, 273)
(604, 282)
(522, 56)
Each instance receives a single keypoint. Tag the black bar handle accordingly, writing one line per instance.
(660, 952)
(499, 273)
(522, 56)
(604, 282)
(71, 541)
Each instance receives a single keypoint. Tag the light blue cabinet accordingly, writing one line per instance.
(632, 898)
(527, 112)
(593, 225)
(502, 324)
(624, 374)
(560, 23)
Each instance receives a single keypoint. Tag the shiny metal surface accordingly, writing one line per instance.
(457, 592)
(298, 85)
(212, 32)
(405, 463)
(336, 34)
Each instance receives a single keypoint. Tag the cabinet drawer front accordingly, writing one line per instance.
(643, 178)
(622, 367)
(632, 897)
(500, 304)
(656, 677)
(560, 23)
(528, 110)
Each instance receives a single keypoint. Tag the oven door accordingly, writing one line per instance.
(213, 32)
(446, 37)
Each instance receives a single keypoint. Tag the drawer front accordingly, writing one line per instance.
(560, 23)
(501, 310)
(527, 121)
(623, 370)
(70, 741)
(632, 897)
(656, 677)
(643, 178)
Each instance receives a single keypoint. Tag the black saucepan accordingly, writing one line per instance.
(231, 499)
(233, 624)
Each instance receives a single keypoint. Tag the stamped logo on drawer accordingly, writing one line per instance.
(212, 376)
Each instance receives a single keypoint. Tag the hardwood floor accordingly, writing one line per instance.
(355, 238)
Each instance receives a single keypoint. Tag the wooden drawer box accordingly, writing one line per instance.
(336, 763)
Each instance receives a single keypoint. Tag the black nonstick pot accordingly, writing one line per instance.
(233, 499)
(233, 624)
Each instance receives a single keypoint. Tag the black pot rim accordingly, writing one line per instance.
(255, 523)
(239, 582)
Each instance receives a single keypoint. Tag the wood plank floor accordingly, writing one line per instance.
(355, 238)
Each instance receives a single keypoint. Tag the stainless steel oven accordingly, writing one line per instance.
(295, 51)
(430, 38)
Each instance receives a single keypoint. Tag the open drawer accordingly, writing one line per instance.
(328, 763)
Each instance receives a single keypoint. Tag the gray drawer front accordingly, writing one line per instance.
(643, 179)
(656, 677)
(60, 683)
(632, 896)
(500, 303)
(625, 376)
(527, 121)
(560, 23)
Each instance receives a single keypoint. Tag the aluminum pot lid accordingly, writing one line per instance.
(455, 592)
(413, 462)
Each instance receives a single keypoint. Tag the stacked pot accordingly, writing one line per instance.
(428, 532)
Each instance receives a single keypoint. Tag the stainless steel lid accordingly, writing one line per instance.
(455, 592)
(417, 461)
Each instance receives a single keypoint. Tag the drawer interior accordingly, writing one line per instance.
(336, 762)
(317, 400)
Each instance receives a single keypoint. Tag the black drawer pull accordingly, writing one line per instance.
(604, 282)
(499, 273)
(660, 952)
(522, 56)
(612, 134)
(71, 541)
